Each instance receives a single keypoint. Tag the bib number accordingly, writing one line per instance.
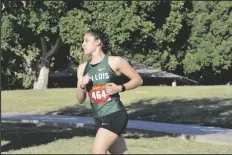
(98, 94)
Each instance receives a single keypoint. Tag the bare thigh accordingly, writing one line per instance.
(119, 146)
(103, 140)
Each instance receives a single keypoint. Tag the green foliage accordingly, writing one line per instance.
(22, 30)
(166, 36)
(185, 37)
(72, 28)
(29, 55)
(7, 32)
(117, 19)
(42, 17)
(8, 58)
(211, 36)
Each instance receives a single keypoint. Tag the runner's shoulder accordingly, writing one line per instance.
(81, 67)
(116, 59)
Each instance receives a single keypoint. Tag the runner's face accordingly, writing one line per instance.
(90, 44)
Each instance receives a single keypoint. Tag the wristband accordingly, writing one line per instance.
(123, 88)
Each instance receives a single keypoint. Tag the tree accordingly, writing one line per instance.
(37, 39)
(166, 36)
(209, 56)
(188, 38)
(8, 58)
(118, 19)
(9, 40)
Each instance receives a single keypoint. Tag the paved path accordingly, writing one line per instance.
(199, 133)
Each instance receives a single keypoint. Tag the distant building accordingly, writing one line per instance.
(150, 76)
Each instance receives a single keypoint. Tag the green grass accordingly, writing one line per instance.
(32, 139)
(211, 105)
(202, 105)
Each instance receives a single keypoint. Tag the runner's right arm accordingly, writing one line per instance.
(81, 93)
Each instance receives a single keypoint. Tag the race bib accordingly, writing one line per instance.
(98, 94)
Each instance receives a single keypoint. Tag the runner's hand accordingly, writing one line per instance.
(112, 88)
(85, 80)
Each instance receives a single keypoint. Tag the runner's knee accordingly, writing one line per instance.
(98, 150)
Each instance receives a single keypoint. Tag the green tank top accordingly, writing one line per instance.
(101, 103)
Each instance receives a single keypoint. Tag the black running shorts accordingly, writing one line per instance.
(115, 122)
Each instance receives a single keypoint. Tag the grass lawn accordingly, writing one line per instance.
(32, 139)
(189, 105)
(202, 105)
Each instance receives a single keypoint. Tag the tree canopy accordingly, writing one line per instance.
(189, 38)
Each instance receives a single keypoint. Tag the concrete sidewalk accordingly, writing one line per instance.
(193, 132)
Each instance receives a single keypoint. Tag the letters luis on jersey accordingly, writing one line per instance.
(99, 76)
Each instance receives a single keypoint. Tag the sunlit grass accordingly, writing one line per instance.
(31, 139)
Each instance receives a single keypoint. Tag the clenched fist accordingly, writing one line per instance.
(112, 88)
(85, 80)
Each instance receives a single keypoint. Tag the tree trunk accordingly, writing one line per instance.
(43, 78)
(42, 81)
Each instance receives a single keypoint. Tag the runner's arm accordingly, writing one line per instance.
(81, 93)
(125, 68)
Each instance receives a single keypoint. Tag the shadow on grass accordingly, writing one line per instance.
(28, 135)
(206, 112)
(210, 112)
(75, 110)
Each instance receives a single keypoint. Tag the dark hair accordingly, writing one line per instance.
(99, 34)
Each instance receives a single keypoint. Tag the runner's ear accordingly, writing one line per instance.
(99, 43)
